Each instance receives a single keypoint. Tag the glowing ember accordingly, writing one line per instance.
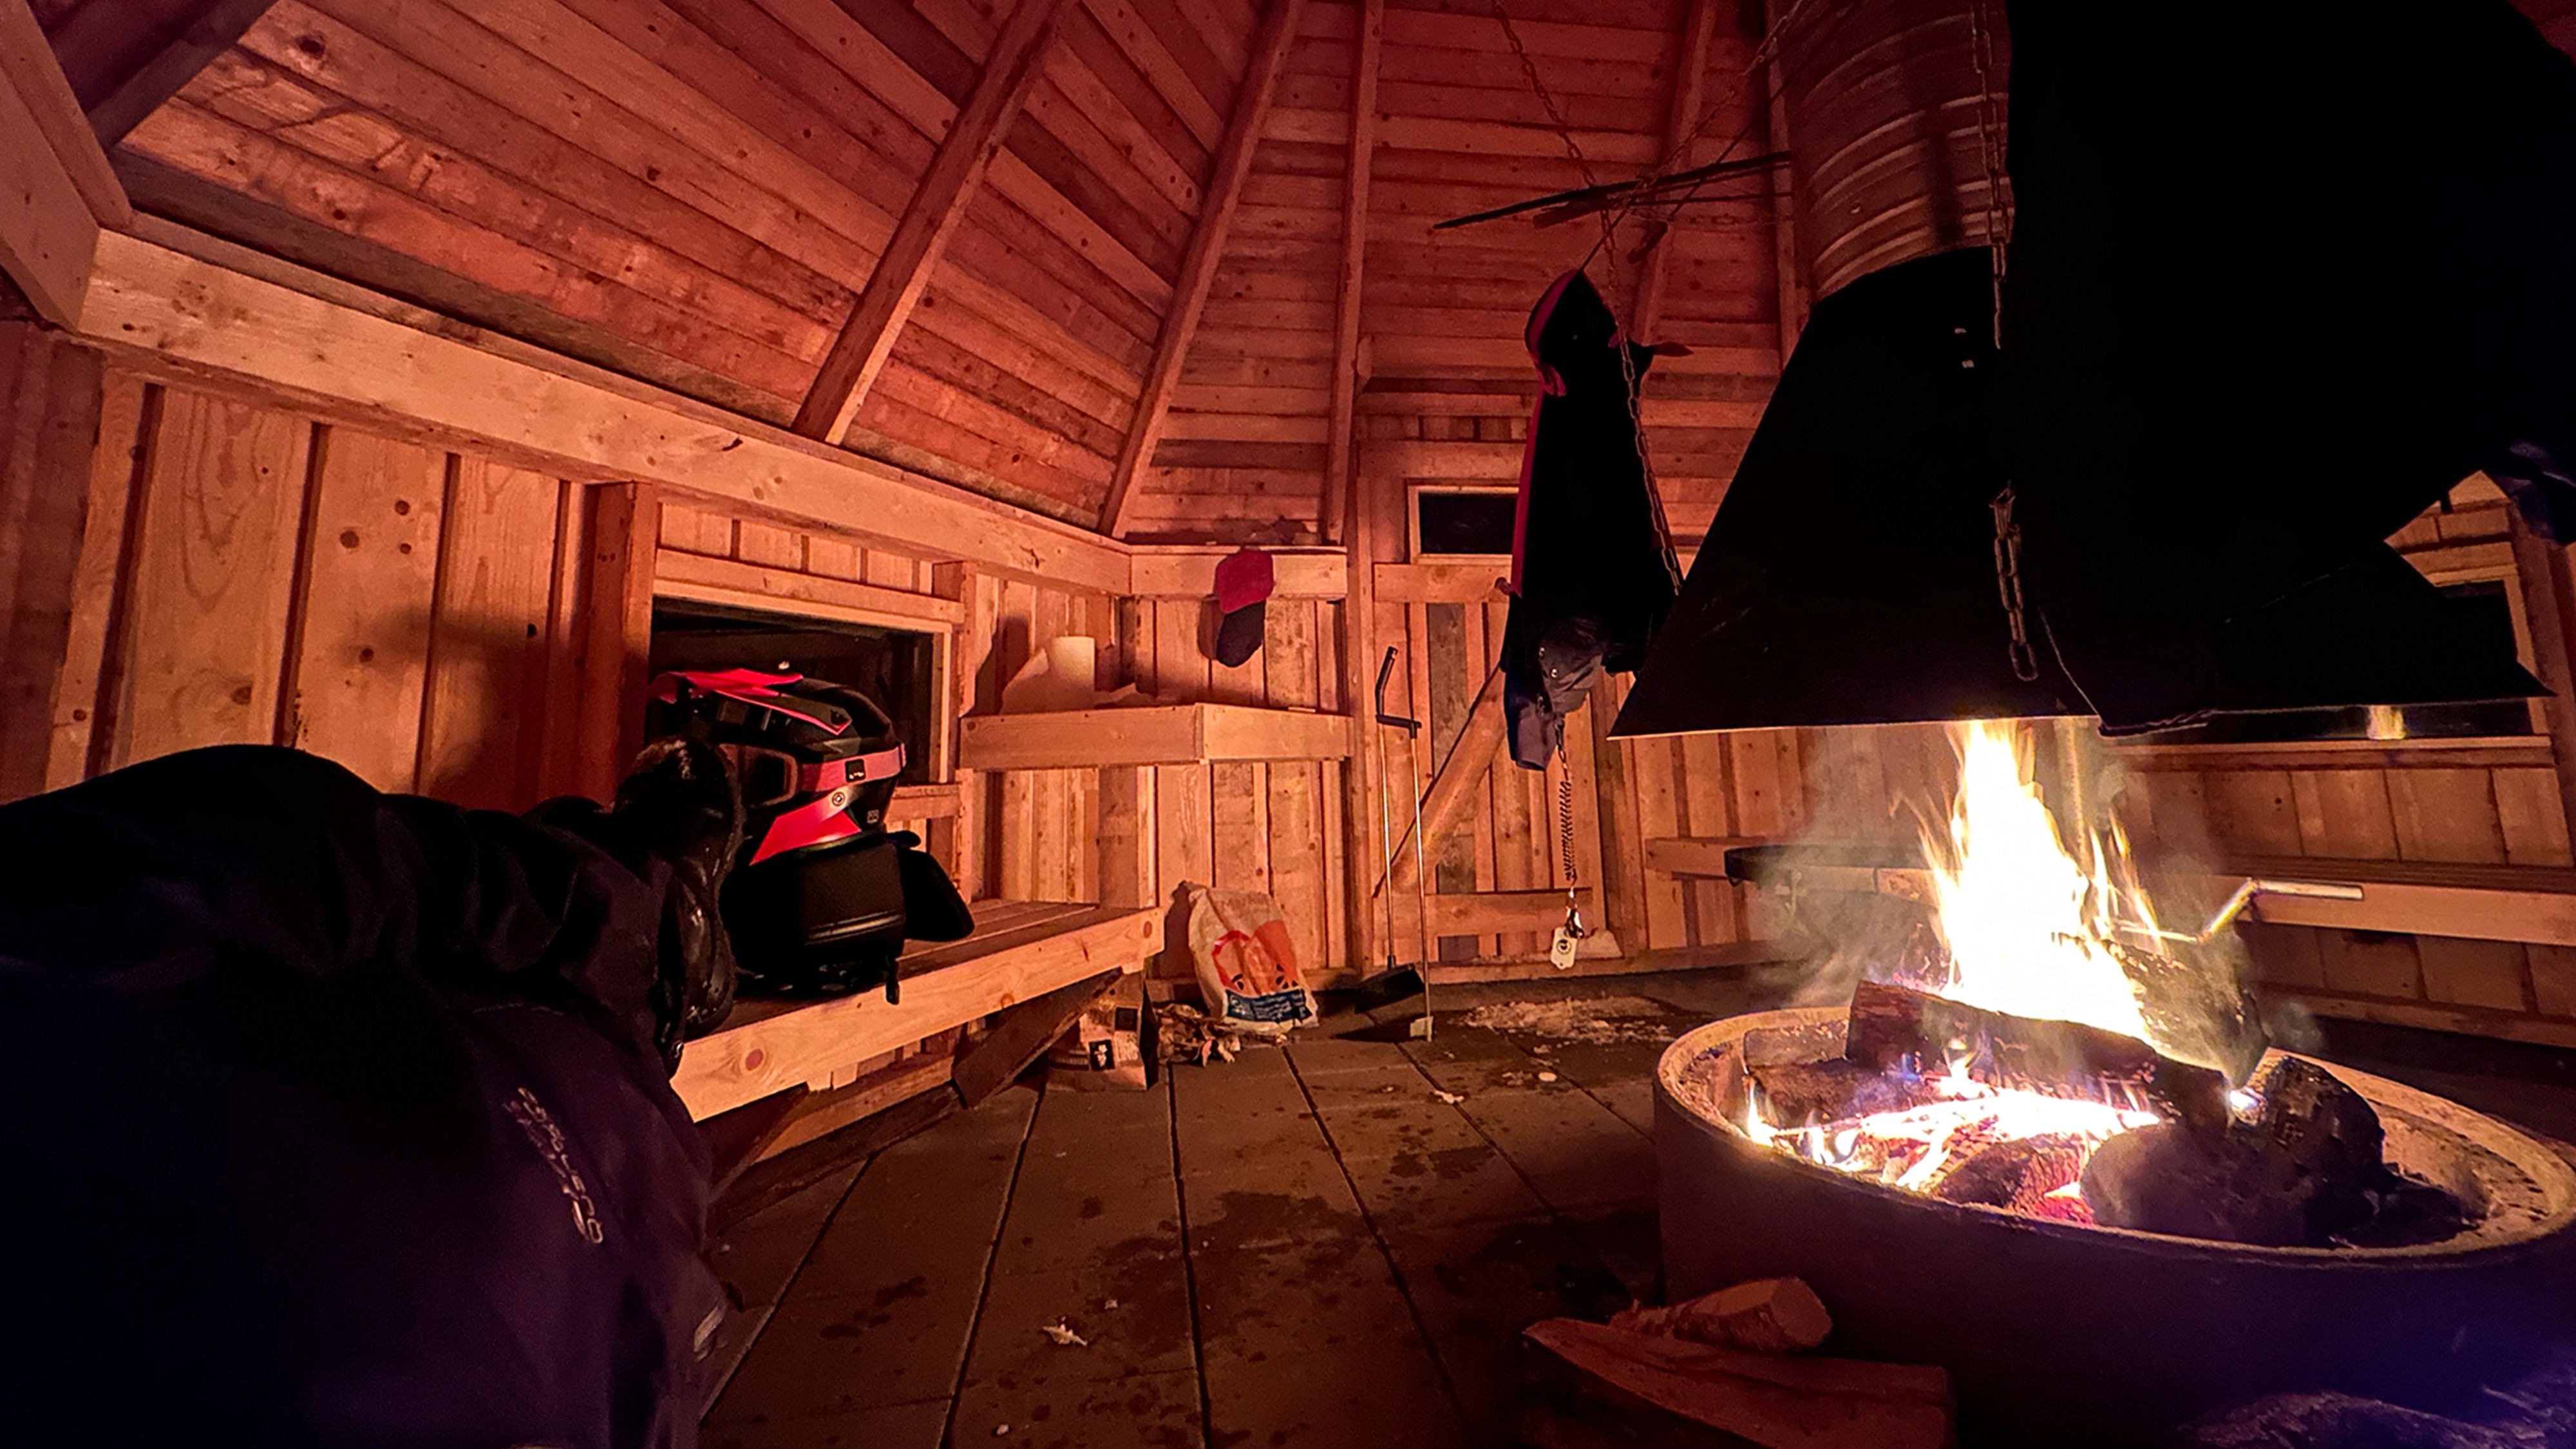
(2027, 927)
(1914, 1148)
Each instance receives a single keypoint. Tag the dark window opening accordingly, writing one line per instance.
(2484, 602)
(1465, 523)
(891, 666)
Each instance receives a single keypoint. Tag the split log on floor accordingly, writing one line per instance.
(1769, 1315)
(1775, 1402)
(1890, 1024)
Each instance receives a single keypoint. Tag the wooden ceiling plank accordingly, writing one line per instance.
(1690, 93)
(1338, 472)
(938, 204)
(28, 66)
(1207, 247)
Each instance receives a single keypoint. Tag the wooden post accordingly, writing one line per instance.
(966, 663)
(617, 631)
(1357, 164)
(938, 205)
(1681, 125)
(51, 395)
(1207, 247)
(2548, 586)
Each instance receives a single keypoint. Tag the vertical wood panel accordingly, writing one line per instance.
(486, 689)
(2446, 815)
(2533, 820)
(127, 413)
(214, 578)
(2473, 973)
(2252, 811)
(370, 581)
(2344, 814)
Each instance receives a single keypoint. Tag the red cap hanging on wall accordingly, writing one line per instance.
(1244, 579)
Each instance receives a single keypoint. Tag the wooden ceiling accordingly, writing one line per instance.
(696, 193)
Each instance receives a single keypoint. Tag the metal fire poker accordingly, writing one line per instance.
(1421, 1025)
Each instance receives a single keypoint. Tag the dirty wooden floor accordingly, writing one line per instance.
(1328, 1246)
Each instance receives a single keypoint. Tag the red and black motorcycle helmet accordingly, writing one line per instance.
(817, 904)
(818, 760)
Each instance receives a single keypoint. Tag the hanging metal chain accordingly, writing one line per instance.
(1990, 141)
(2025, 663)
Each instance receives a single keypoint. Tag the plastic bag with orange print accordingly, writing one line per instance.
(1248, 972)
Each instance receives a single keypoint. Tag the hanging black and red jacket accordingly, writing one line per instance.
(1592, 566)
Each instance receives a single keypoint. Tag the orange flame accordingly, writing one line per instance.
(2028, 926)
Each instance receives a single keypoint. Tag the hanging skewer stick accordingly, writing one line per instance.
(1584, 200)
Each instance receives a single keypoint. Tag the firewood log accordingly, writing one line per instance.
(1775, 1402)
(2014, 1174)
(1891, 1024)
(1796, 1093)
(1769, 1315)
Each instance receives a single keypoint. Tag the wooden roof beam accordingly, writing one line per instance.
(938, 205)
(1338, 473)
(54, 173)
(1224, 196)
(126, 57)
(1681, 125)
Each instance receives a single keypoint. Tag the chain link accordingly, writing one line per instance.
(2025, 662)
(1990, 142)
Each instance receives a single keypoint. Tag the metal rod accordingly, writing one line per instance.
(1612, 193)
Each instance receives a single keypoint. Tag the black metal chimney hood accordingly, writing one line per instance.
(2259, 312)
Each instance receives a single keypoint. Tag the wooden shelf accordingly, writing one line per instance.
(1020, 951)
(1178, 734)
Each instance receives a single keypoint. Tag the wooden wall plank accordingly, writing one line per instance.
(370, 580)
(2447, 815)
(485, 701)
(214, 578)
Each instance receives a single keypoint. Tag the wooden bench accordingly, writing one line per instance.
(1021, 950)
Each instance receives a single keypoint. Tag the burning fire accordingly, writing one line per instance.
(2029, 929)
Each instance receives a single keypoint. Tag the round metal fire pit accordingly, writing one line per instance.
(2062, 1334)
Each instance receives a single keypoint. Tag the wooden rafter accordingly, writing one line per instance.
(55, 177)
(1355, 213)
(1224, 196)
(938, 205)
(125, 57)
(1690, 97)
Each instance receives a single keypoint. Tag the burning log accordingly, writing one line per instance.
(2017, 1175)
(2162, 1179)
(2304, 1169)
(1898, 1029)
(1776, 1402)
(1770, 1315)
(1826, 1091)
